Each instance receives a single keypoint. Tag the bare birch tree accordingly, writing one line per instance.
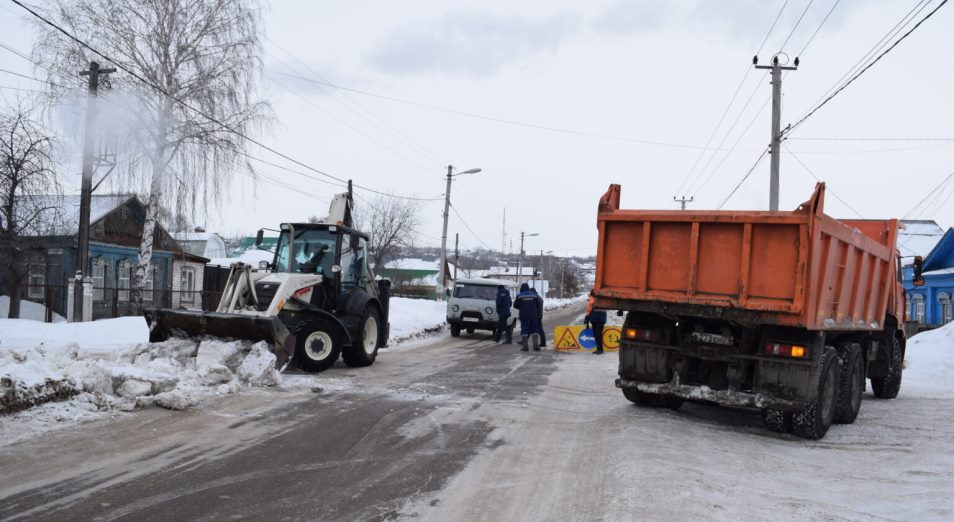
(27, 179)
(203, 53)
(392, 224)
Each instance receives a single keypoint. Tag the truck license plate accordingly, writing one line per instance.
(711, 338)
(471, 319)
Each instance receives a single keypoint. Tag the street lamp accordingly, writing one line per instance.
(520, 261)
(450, 177)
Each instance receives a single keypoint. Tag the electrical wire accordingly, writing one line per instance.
(739, 139)
(747, 174)
(818, 28)
(464, 222)
(498, 120)
(871, 139)
(797, 23)
(865, 69)
(185, 104)
(932, 192)
(827, 186)
(725, 112)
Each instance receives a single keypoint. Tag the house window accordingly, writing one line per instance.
(908, 313)
(147, 287)
(99, 278)
(187, 285)
(944, 299)
(919, 308)
(122, 281)
(37, 278)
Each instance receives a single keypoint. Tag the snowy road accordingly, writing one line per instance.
(462, 429)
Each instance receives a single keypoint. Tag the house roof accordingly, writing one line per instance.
(248, 243)
(62, 213)
(249, 257)
(509, 271)
(919, 237)
(410, 263)
(942, 255)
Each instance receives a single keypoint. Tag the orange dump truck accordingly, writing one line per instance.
(786, 312)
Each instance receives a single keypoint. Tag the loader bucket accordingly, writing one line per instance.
(166, 323)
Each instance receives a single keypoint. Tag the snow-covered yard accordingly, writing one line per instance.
(28, 310)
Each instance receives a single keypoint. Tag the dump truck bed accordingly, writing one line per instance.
(800, 268)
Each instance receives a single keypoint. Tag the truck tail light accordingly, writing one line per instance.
(796, 351)
(642, 334)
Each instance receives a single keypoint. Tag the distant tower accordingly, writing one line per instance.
(503, 239)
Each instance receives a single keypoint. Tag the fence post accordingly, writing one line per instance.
(115, 311)
(48, 301)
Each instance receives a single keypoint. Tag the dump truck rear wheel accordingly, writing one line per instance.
(777, 420)
(316, 348)
(814, 422)
(364, 347)
(852, 384)
(888, 386)
(455, 330)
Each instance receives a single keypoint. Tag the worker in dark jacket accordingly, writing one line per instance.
(503, 315)
(543, 336)
(595, 319)
(526, 303)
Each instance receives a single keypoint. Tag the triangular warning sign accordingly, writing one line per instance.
(567, 341)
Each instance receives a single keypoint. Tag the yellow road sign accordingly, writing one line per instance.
(577, 338)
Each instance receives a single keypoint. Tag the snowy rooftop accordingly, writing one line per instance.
(193, 236)
(62, 214)
(249, 257)
(410, 263)
(919, 237)
(509, 271)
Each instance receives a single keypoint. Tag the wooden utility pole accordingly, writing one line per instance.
(683, 200)
(86, 187)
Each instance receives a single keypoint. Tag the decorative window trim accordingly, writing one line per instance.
(36, 278)
(98, 274)
(123, 279)
(187, 284)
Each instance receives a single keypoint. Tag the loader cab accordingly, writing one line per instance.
(336, 252)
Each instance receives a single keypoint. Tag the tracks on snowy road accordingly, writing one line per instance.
(463, 429)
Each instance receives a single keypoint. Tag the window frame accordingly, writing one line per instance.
(99, 281)
(34, 290)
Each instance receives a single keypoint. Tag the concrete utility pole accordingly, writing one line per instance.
(520, 259)
(776, 69)
(447, 191)
(456, 253)
(682, 201)
(86, 187)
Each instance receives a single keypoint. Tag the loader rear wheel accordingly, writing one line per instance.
(316, 348)
(852, 384)
(364, 347)
(888, 386)
(813, 423)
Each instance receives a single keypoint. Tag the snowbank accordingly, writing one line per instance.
(411, 318)
(28, 310)
(110, 365)
(929, 359)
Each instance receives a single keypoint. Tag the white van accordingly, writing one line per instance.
(472, 305)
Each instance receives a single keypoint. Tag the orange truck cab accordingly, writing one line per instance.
(786, 312)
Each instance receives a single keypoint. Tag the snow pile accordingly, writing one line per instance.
(28, 310)
(125, 372)
(929, 359)
(411, 318)
(556, 304)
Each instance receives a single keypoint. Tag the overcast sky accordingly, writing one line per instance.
(634, 89)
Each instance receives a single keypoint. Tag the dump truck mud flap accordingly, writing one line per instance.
(166, 323)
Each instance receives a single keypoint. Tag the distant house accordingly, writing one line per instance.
(416, 276)
(509, 273)
(929, 305)
(116, 224)
(248, 243)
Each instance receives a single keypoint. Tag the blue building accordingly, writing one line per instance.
(929, 305)
(116, 224)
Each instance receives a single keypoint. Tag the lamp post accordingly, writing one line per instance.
(450, 177)
(520, 261)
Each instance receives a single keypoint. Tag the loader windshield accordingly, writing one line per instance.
(314, 251)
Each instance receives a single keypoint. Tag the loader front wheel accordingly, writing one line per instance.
(364, 347)
(316, 348)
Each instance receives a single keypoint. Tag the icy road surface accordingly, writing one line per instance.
(462, 429)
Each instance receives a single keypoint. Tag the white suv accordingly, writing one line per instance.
(472, 305)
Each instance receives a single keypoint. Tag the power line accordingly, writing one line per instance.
(865, 69)
(498, 120)
(797, 23)
(931, 193)
(401, 136)
(747, 174)
(818, 28)
(869, 139)
(713, 172)
(185, 104)
(469, 229)
(715, 131)
(827, 187)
